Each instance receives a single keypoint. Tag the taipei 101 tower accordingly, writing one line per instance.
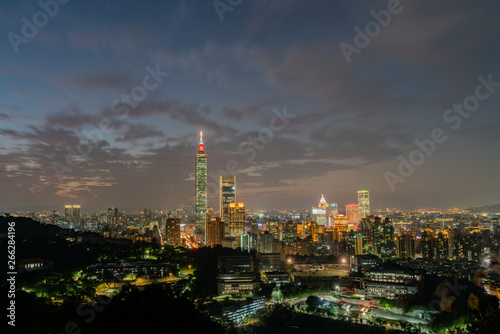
(201, 186)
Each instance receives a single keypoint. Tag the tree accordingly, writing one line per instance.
(313, 302)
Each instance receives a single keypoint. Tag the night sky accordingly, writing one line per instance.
(102, 105)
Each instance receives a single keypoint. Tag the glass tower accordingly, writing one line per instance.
(201, 186)
(364, 203)
(227, 194)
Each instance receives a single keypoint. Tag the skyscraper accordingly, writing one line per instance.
(227, 194)
(201, 186)
(364, 203)
(76, 213)
(236, 219)
(173, 227)
(112, 216)
(67, 211)
(319, 213)
(352, 214)
(215, 231)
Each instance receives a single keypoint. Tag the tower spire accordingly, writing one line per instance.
(201, 146)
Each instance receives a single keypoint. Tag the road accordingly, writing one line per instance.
(357, 304)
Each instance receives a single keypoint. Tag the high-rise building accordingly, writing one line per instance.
(405, 247)
(289, 232)
(227, 194)
(112, 216)
(236, 219)
(352, 214)
(266, 243)
(319, 213)
(147, 216)
(322, 203)
(201, 186)
(173, 231)
(360, 241)
(364, 203)
(216, 228)
(332, 211)
(67, 211)
(76, 213)
(274, 228)
(115, 216)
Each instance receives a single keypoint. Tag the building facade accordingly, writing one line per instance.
(364, 203)
(201, 186)
(227, 194)
(236, 219)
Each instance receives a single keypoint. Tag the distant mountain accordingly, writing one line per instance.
(495, 208)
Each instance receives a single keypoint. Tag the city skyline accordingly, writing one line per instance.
(103, 113)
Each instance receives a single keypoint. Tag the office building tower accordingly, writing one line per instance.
(227, 194)
(67, 211)
(427, 243)
(201, 186)
(364, 203)
(274, 228)
(112, 216)
(248, 242)
(173, 232)
(319, 213)
(360, 242)
(352, 214)
(216, 228)
(147, 216)
(266, 243)
(236, 219)
(405, 247)
(322, 203)
(289, 232)
(332, 211)
(76, 213)
(341, 224)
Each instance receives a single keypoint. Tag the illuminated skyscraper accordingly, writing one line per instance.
(67, 211)
(201, 186)
(322, 203)
(352, 214)
(215, 231)
(76, 213)
(112, 217)
(227, 194)
(236, 219)
(364, 203)
(319, 213)
(173, 227)
(332, 211)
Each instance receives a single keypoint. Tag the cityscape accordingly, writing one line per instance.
(250, 167)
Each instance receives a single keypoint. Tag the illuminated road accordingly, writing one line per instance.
(356, 304)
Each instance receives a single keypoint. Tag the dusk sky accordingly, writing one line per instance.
(68, 134)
